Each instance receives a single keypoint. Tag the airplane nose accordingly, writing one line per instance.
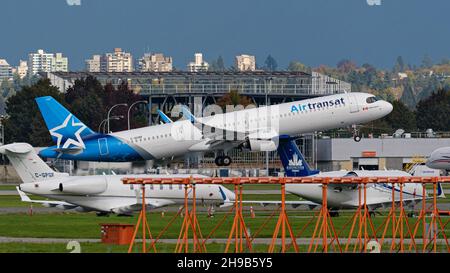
(388, 107)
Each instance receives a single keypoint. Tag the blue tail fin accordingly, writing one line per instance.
(66, 130)
(292, 159)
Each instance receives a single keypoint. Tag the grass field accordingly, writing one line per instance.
(87, 225)
(161, 248)
(7, 187)
(71, 225)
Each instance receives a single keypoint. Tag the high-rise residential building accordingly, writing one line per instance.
(119, 61)
(245, 63)
(47, 62)
(5, 70)
(94, 64)
(22, 69)
(155, 62)
(61, 63)
(198, 65)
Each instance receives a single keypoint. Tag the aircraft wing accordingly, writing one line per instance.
(294, 204)
(47, 203)
(124, 207)
(215, 139)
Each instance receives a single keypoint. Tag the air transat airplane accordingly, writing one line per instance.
(343, 196)
(101, 193)
(440, 159)
(254, 129)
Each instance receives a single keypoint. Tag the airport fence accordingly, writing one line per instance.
(396, 233)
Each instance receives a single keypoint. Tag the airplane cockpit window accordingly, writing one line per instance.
(372, 99)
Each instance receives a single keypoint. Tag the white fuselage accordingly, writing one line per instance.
(440, 159)
(348, 195)
(322, 113)
(107, 193)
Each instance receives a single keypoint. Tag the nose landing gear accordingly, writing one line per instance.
(356, 133)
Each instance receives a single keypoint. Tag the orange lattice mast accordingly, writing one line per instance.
(145, 226)
(189, 222)
(238, 228)
(283, 221)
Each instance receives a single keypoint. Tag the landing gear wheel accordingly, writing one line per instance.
(219, 161)
(226, 161)
(357, 138)
(334, 213)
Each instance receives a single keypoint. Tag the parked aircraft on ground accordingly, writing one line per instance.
(440, 159)
(254, 129)
(101, 193)
(343, 196)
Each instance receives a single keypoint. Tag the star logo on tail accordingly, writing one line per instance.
(69, 133)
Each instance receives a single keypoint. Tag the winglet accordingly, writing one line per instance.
(226, 201)
(187, 113)
(23, 196)
(164, 117)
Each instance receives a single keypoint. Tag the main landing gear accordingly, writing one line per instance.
(223, 161)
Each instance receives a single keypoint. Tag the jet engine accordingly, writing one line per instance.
(84, 187)
(259, 145)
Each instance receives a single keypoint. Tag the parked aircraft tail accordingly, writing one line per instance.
(66, 130)
(440, 191)
(294, 163)
(28, 165)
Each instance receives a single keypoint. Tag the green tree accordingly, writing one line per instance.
(233, 98)
(401, 117)
(427, 62)
(270, 64)
(346, 66)
(220, 64)
(433, 112)
(217, 65)
(25, 123)
(85, 99)
(399, 65)
(297, 66)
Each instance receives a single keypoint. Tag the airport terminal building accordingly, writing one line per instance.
(386, 152)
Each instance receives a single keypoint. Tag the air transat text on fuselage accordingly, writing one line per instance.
(317, 105)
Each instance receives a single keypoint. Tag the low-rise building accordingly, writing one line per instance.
(155, 63)
(245, 63)
(375, 153)
(22, 69)
(94, 64)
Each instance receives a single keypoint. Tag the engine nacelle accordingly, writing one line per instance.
(259, 145)
(88, 186)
